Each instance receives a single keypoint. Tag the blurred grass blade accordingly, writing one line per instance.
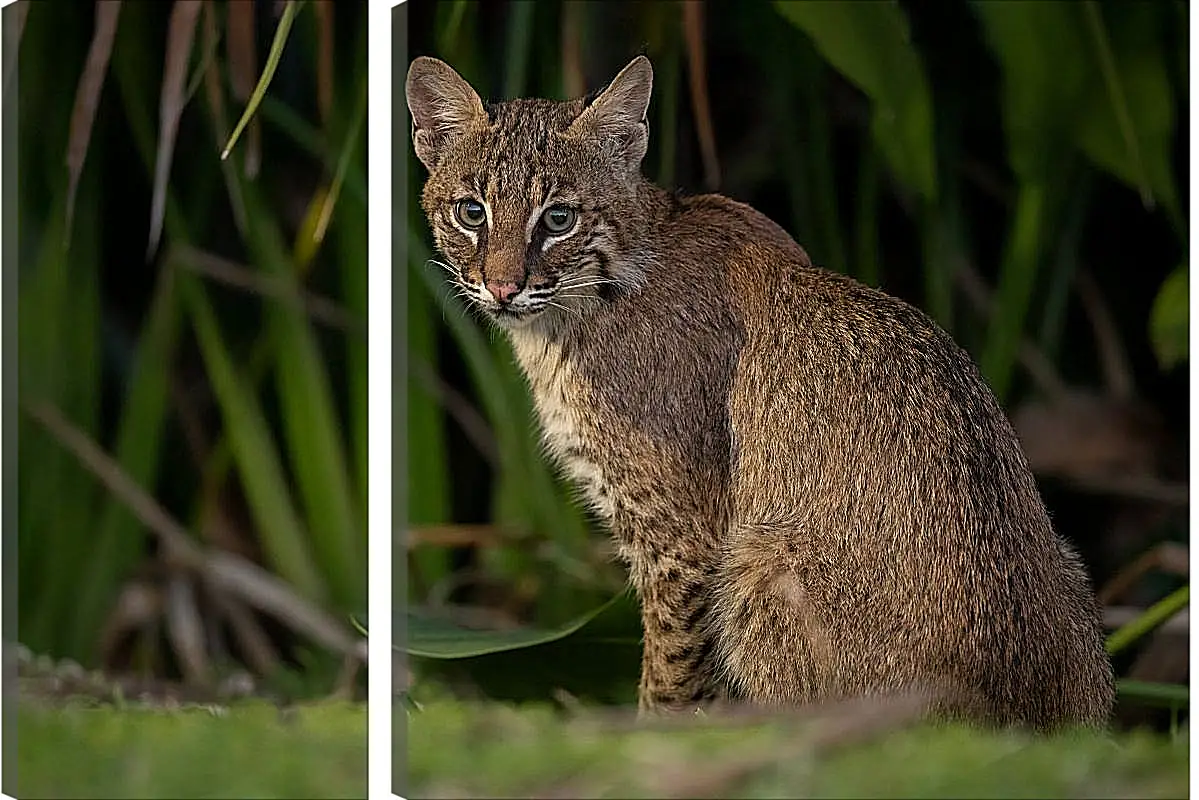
(1169, 320)
(320, 211)
(693, 27)
(1146, 623)
(239, 49)
(268, 72)
(520, 37)
(1045, 73)
(351, 242)
(870, 45)
(573, 83)
(284, 539)
(1168, 695)
(87, 98)
(116, 545)
(1021, 262)
(430, 637)
(58, 327)
(179, 46)
(1119, 101)
(243, 65)
(324, 58)
(426, 465)
(307, 137)
(313, 432)
(1128, 129)
(215, 94)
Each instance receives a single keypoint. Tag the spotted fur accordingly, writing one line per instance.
(816, 492)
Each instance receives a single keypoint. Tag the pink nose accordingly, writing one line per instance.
(502, 291)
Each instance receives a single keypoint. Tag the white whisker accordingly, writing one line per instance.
(583, 285)
(447, 267)
(564, 308)
(585, 280)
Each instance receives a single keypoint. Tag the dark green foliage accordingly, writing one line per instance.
(200, 365)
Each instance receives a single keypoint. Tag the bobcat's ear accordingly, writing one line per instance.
(443, 107)
(617, 116)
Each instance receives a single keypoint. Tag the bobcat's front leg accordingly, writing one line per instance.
(678, 663)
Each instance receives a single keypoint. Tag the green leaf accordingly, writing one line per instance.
(869, 43)
(1046, 68)
(431, 637)
(1169, 319)
(1128, 129)
(1090, 77)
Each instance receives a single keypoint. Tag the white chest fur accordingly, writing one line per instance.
(563, 400)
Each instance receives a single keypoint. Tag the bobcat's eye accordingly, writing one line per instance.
(558, 219)
(470, 213)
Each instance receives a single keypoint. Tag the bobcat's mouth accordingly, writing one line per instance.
(505, 305)
(508, 312)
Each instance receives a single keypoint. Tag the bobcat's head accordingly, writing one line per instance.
(532, 202)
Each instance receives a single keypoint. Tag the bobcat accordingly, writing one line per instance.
(815, 491)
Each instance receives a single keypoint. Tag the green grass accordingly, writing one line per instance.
(457, 750)
(249, 750)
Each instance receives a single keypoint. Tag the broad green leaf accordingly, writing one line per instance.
(1088, 76)
(1128, 129)
(1046, 69)
(430, 637)
(869, 43)
(1169, 319)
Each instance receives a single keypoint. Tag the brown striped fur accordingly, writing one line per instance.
(815, 491)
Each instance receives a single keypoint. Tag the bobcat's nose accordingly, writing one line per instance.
(502, 291)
